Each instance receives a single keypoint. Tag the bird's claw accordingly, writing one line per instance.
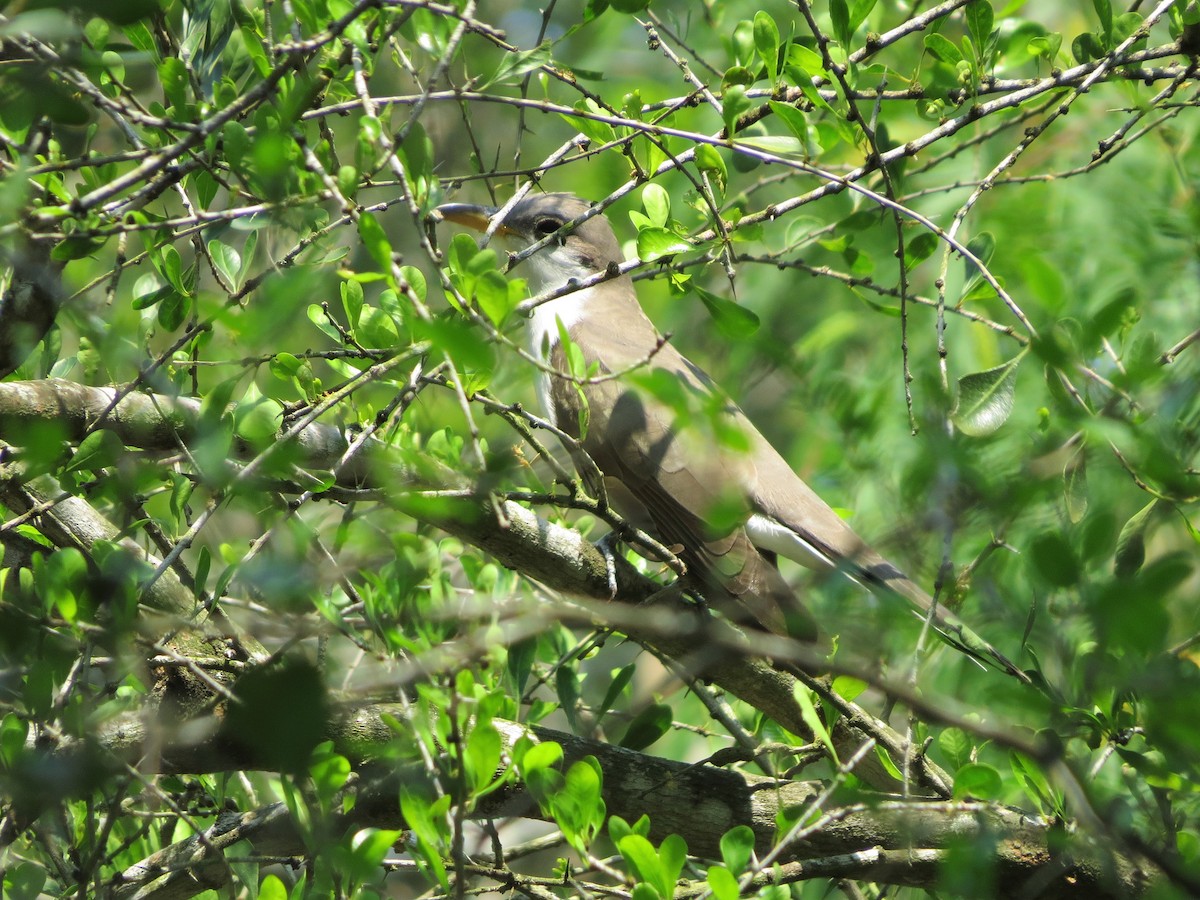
(607, 546)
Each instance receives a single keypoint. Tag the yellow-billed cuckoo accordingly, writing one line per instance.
(666, 473)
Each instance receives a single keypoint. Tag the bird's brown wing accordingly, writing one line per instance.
(683, 481)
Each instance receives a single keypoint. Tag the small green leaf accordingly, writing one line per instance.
(942, 49)
(839, 14)
(647, 727)
(482, 757)
(317, 316)
(766, 42)
(493, 296)
(542, 755)
(859, 12)
(722, 883)
(227, 262)
(919, 248)
(983, 248)
(808, 712)
(797, 123)
(518, 63)
(352, 301)
(656, 243)
(629, 7)
(617, 683)
(977, 780)
(173, 76)
(1104, 14)
(732, 319)
(1046, 46)
(980, 19)
(733, 104)
(737, 846)
(170, 266)
(956, 745)
(173, 309)
(1131, 542)
(1086, 47)
(710, 162)
(985, 399)
(375, 240)
(657, 203)
(639, 854)
(599, 132)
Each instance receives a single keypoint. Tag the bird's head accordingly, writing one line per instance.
(576, 253)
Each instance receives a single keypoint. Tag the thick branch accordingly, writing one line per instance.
(698, 802)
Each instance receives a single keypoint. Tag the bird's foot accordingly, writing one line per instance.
(609, 546)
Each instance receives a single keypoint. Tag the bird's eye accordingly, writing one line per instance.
(544, 227)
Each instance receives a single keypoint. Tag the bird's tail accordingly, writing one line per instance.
(945, 623)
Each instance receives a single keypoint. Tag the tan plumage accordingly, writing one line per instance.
(667, 473)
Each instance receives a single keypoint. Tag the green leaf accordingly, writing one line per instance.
(629, 7)
(1086, 47)
(656, 243)
(376, 241)
(722, 883)
(839, 15)
(737, 846)
(617, 683)
(542, 755)
(941, 49)
(13, 731)
(732, 319)
(98, 450)
(566, 681)
(639, 854)
(515, 64)
(317, 316)
(647, 727)
(980, 18)
(352, 302)
(985, 399)
(172, 75)
(1131, 542)
(482, 757)
(956, 745)
(598, 132)
(657, 203)
(227, 262)
(672, 854)
(797, 123)
(859, 12)
(766, 42)
(494, 298)
(709, 161)
(423, 819)
(983, 248)
(1104, 14)
(982, 782)
(172, 310)
(733, 104)
(1046, 46)
(919, 248)
(808, 712)
(272, 888)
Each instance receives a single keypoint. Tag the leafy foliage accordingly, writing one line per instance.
(283, 542)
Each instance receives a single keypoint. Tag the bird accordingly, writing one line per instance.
(728, 512)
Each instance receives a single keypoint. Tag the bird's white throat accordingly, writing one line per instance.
(552, 269)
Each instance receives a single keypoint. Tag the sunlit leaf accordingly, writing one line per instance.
(985, 399)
